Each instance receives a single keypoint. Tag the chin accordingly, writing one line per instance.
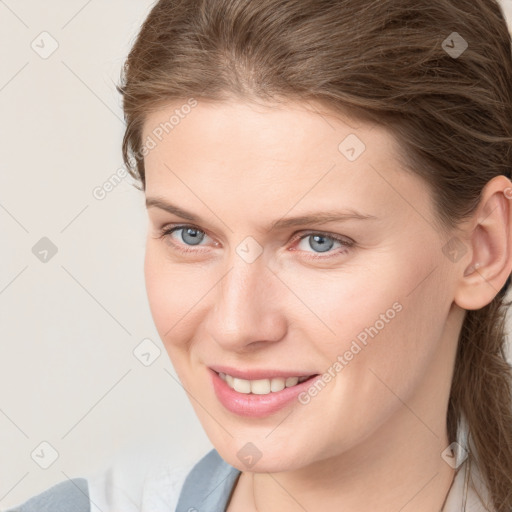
(260, 457)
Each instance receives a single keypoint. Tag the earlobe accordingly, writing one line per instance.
(489, 236)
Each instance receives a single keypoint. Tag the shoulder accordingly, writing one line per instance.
(205, 484)
(130, 485)
(67, 496)
(209, 484)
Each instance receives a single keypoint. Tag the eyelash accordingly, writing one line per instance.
(346, 243)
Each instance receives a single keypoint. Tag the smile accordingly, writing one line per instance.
(261, 386)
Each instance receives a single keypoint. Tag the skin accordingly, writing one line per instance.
(372, 438)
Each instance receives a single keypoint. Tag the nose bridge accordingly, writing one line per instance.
(239, 297)
(242, 312)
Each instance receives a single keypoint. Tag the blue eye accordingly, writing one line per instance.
(318, 242)
(323, 243)
(192, 236)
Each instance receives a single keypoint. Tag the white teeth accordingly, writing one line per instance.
(241, 385)
(277, 385)
(291, 381)
(261, 386)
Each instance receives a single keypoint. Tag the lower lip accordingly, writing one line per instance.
(257, 406)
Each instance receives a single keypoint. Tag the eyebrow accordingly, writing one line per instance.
(302, 220)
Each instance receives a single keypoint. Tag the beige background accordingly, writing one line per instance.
(69, 326)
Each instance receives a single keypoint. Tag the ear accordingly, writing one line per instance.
(489, 236)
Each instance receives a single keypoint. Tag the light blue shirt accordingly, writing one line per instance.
(208, 488)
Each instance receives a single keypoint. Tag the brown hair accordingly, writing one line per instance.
(393, 62)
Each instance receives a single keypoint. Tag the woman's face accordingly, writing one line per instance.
(245, 281)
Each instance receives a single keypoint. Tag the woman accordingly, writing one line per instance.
(329, 244)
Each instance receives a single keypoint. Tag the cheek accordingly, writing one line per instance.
(168, 298)
(390, 349)
(156, 284)
(389, 319)
(339, 307)
(175, 294)
(164, 291)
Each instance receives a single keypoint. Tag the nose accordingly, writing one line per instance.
(247, 311)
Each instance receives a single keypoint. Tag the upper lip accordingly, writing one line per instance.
(260, 373)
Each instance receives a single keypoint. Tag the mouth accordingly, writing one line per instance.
(262, 386)
(261, 397)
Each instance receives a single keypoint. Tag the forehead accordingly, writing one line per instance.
(298, 133)
(276, 155)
